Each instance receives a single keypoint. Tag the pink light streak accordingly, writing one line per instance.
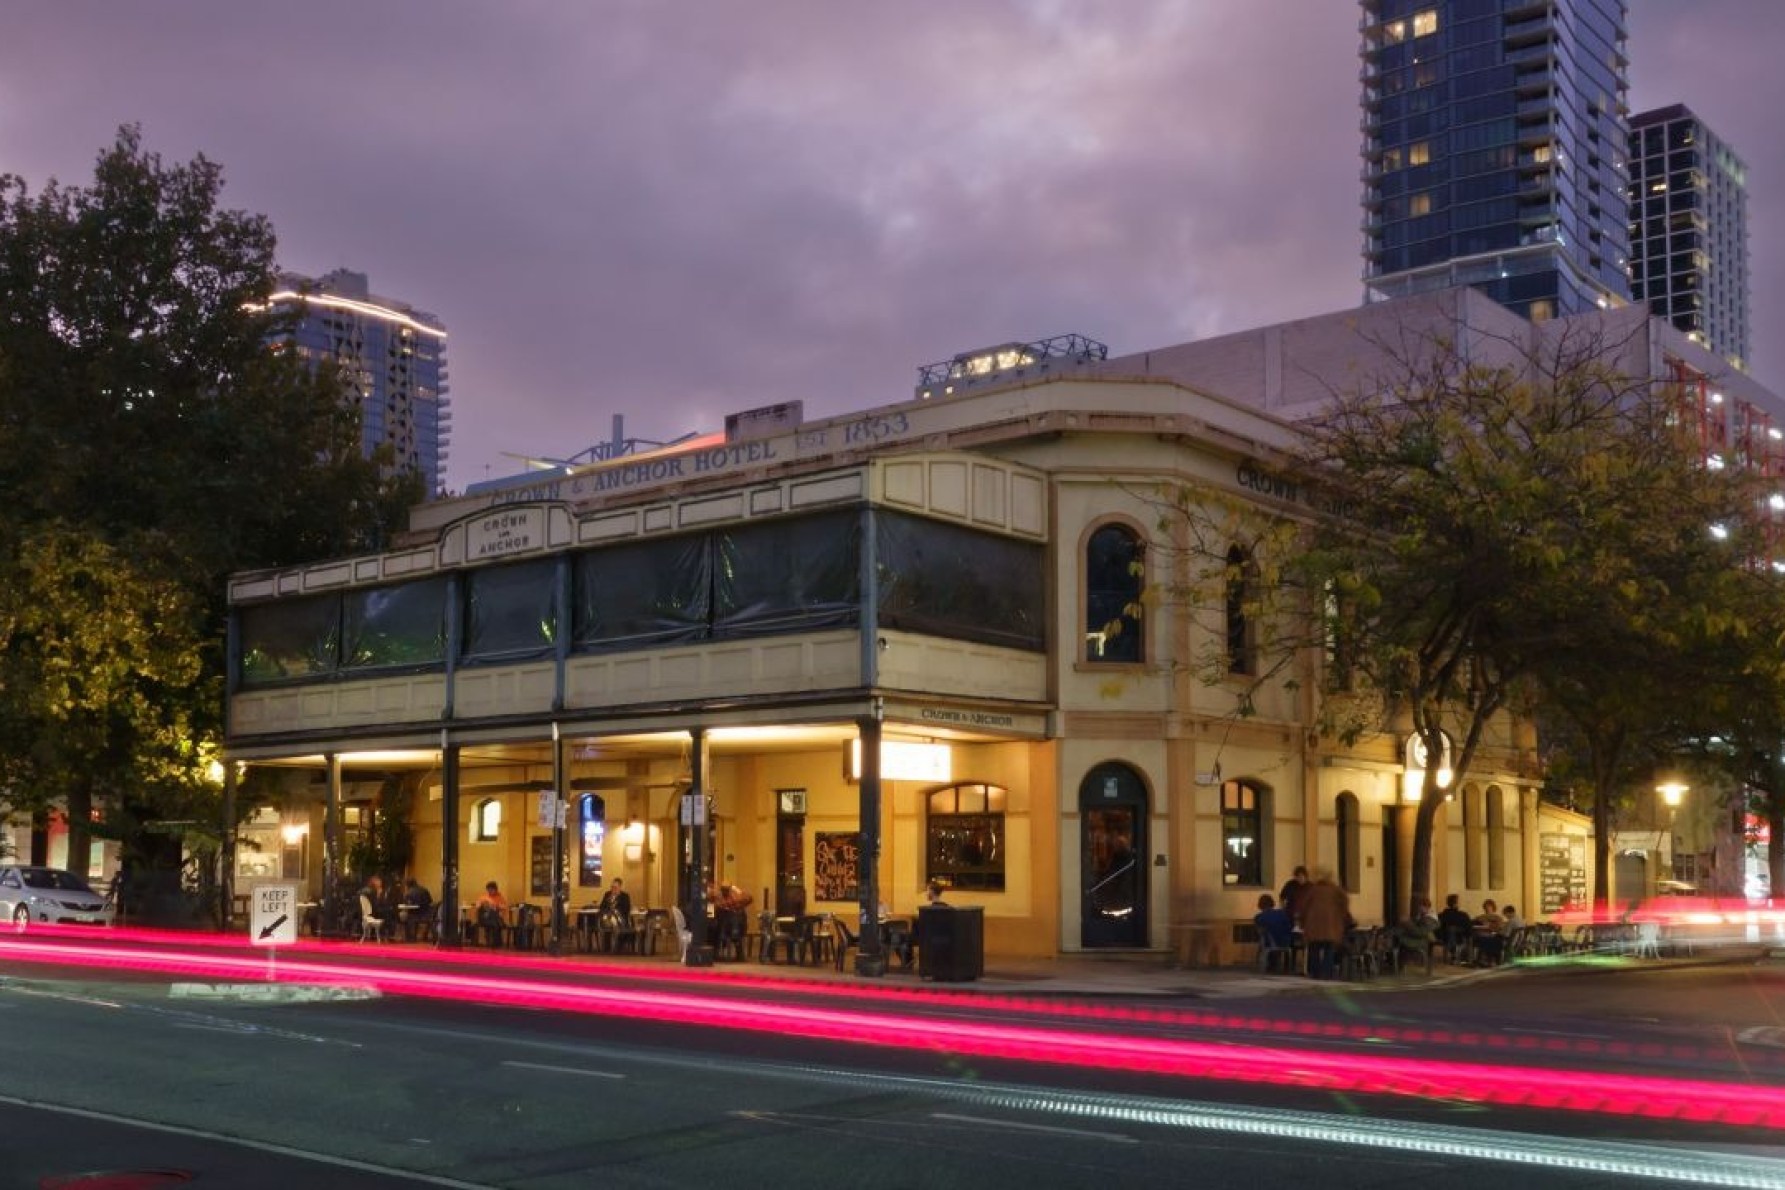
(1632, 1095)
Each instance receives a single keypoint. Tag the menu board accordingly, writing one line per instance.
(836, 866)
(1562, 871)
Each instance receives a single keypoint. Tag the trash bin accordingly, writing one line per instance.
(951, 943)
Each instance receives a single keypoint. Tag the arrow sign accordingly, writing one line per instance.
(274, 919)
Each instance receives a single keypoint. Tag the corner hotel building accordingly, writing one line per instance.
(736, 616)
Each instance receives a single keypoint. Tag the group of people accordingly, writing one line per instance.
(1480, 939)
(411, 911)
(1320, 909)
(1317, 906)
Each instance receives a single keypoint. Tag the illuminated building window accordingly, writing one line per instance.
(1115, 571)
(1472, 837)
(1419, 204)
(1242, 833)
(1419, 153)
(486, 820)
(964, 837)
(1425, 23)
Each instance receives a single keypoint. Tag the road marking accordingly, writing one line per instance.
(1773, 1035)
(1114, 1138)
(408, 1175)
(565, 1070)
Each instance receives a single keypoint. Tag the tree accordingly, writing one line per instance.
(152, 441)
(1497, 541)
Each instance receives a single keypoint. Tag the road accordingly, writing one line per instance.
(451, 1090)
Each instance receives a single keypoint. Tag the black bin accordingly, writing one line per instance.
(950, 943)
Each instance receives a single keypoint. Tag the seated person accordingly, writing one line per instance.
(1418, 933)
(1454, 928)
(382, 908)
(420, 903)
(492, 914)
(615, 914)
(1276, 929)
(731, 906)
(1489, 935)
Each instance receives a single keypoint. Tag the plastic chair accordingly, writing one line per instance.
(684, 936)
(778, 934)
(371, 928)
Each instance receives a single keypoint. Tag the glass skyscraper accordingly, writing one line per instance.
(1494, 151)
(1689, 229)
(391, 354)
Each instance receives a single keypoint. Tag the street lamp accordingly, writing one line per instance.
(1672, 793)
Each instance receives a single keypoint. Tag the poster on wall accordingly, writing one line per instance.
(540, 869)
(836, 866)
(591, 829)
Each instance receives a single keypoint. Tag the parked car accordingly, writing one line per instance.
(49, 896)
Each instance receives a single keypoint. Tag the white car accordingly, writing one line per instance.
(49, 896)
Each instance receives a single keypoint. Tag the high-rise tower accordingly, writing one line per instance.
(392, 354)
(1494, 143)
(1689, 229)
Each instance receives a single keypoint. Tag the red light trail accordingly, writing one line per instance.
(1632, 1095)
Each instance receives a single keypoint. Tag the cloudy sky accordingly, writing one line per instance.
(675, 209)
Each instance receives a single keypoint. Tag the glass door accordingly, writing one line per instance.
(1113, 833)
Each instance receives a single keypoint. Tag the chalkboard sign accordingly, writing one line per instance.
(836, 870)
(540, 883)
(1561, 871)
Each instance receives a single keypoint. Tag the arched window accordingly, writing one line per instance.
(1245, 810)
(486, 820)
(1240, 581)
(1345, 816)
(1115, 572)
(1496, 837)
(964, 844)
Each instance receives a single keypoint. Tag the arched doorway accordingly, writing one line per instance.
(1113, 841)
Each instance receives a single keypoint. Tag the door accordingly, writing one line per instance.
(1113, 833)
(790, 866)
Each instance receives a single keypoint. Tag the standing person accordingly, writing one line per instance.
(1325, 913)
(1293, 890)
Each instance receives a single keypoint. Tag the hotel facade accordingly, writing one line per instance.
(684, 666)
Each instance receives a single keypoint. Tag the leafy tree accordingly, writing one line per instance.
(152, 442)
(1498, 543)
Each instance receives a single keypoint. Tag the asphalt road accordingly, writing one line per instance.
(448, 1091)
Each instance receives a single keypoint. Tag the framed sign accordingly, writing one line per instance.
(836, 866)
(792, 802)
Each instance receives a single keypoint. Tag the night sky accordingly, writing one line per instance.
(676, 209)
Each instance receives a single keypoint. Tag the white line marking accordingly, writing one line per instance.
(1114, 1138)
(565, 1070)
(259, 1146)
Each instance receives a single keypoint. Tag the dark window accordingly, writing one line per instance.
(642, 593)
(788, 575)
(511, 611)
(395, 626)
(964, 830)
(949, 580)
(1114, 574)
(1348, 829)
(1242, 833)
(293, 638)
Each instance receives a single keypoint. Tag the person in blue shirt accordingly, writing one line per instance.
(1275, 926)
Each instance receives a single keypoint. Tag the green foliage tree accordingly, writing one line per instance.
(1513, 531)
(152, 441)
